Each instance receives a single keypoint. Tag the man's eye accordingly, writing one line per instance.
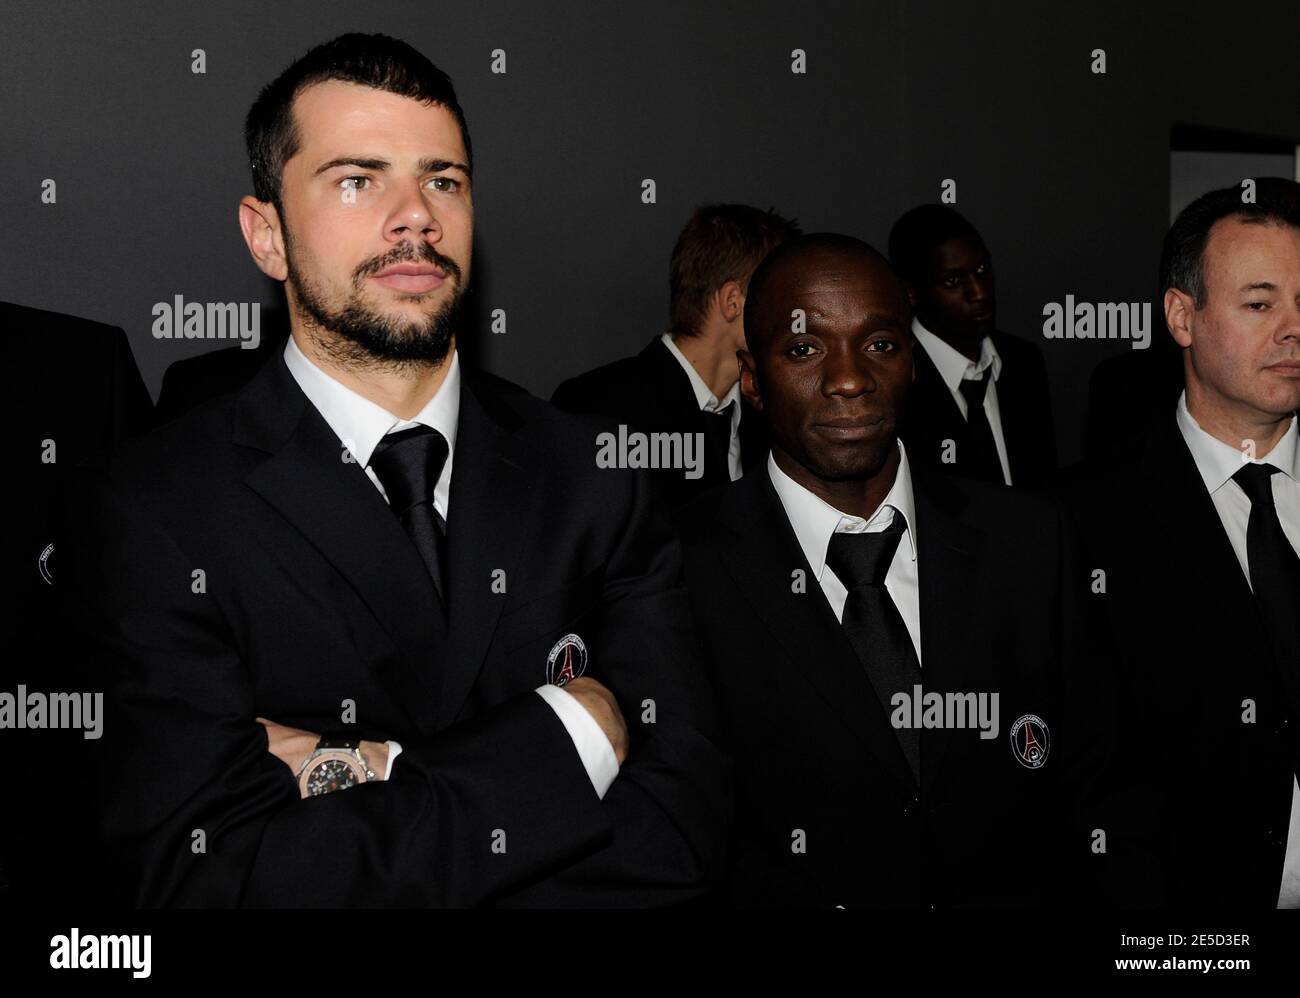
(949, 282)
(353, 183)
(1257, 306)
(794, 350)
(887, 345)
(452, 182)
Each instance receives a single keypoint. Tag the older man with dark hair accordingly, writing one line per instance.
(1193, 546)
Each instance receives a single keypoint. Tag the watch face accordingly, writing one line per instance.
(330, 774)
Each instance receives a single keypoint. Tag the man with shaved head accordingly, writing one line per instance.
(886, 647)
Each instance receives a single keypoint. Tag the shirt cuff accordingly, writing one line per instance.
(593, 747)
(394, 750)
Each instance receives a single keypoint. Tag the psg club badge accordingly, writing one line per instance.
(567, 660)
(1029, 741)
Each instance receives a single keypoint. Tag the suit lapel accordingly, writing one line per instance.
(492, 506)
(673, 385)
(674, 399)
(947, 558)
(1017, 424)
(761, 555)
(931, 410)
(753, 438)
(1183, 512)
(336, 507)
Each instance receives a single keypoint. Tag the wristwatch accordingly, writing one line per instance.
(336, 764)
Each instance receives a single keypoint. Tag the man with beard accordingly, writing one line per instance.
(343, 616)
(843, 588)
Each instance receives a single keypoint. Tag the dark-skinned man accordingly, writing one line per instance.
(980, 405)
(833, 583)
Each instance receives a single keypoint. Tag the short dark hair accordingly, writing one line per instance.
(377, 61)
(919, 230)
(792, 250)
(1182, 257)
(719, 243)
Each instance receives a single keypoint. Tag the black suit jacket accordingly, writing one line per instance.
(815, 751)
(314, 595)
(1129, 395)
(74, 384)
(1185, 627)
(650, 392)
(931, 416)
(190, 382)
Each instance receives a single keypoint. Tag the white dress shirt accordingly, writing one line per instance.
(708, 402)
(1217, 462)
(360, 424)
(954, 367)
(814, 521)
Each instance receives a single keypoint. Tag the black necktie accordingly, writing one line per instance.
(980, 459)
(717, 445)
(408, 464)
(873, 624)
(1274, 574)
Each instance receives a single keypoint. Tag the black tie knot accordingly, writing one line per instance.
(718, 426)
(974, 389)
(408, 464)
(863, 559)
(1254, 480)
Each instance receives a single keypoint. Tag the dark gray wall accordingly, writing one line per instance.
(1065, 172)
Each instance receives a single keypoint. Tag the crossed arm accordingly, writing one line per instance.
(200, 805)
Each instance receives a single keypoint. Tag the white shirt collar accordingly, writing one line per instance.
(1218, 462)
(814, 520)
(704, 397)
(952, 364)
(359, 423)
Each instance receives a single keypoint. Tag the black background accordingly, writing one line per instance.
(1066, 173)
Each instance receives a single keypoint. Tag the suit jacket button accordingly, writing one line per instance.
(911, 806)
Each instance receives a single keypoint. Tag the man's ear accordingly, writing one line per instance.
(749, 380)
(731, 301)
(910, 291)
(260, 224)
(1179, 308)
